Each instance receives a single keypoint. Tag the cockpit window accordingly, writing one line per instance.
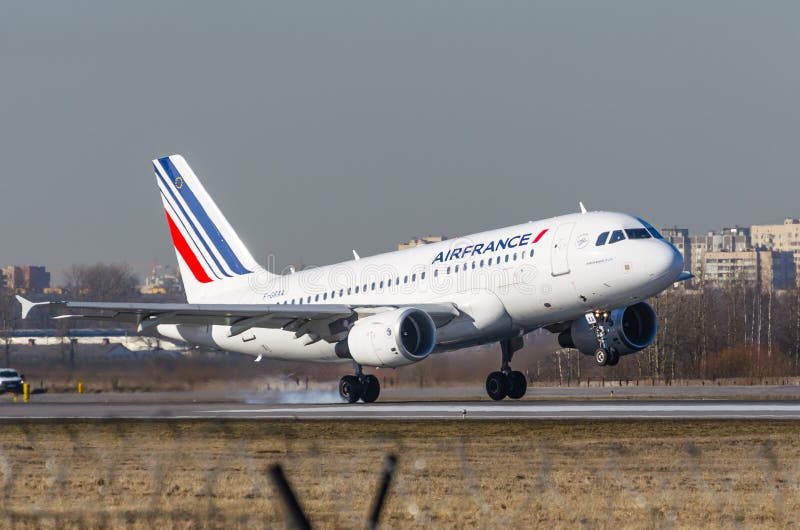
(653, 231)
(601, 239)
(637, 233)
(616, 235)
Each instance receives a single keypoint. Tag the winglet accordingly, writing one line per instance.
(685, 275)
(583, 208)
(27, 305)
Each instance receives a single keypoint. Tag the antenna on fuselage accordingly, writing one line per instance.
(583, 208)
(355, 255)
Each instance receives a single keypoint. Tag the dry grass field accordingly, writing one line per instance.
(467, 474)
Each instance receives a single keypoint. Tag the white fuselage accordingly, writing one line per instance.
(505, 283)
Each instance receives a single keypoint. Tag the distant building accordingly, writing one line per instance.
(161, 281)
(777, 237)
(785, 237)
(417, 241)
(735, 239)
(769, 269)
(26, 279)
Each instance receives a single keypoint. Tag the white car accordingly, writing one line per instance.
(11, 380)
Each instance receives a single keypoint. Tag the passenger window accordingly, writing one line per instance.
(506, 258)
(637, 233)
(422, 276)
(381, 284)
(448, 270)
(414, 277)
(473, 265)
(389, 283)
(349, 291)
(616, 235)
(372, 287)
(601, 239)
(515, 256)
(325, 296)
(316, 298)
(341, 292)
(309, 299)
(531, 252)
(405, 279)
(356, 289)
(436, 273)
(456, 268)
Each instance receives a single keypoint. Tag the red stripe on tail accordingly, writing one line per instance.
(186, 252)
(542, 233)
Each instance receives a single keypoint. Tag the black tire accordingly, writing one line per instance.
(613, 358)
(350, 388)
(497, 385)
(517, 385)
(601, 356)
(370, 389)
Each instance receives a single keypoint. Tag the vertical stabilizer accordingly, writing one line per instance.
(209, 250)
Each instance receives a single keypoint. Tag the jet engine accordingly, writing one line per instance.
(628, 330)
(393, 338)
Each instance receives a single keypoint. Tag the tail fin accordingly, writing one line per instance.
(208, 249)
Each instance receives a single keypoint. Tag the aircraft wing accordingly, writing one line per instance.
(240, 317)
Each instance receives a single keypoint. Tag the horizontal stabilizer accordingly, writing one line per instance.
(28, 305)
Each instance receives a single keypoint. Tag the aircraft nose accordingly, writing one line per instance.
(665, 261)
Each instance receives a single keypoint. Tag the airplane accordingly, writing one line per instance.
(583, 276)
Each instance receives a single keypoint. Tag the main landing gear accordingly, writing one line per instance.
(507, 382)
(367, 388)
(603, 355)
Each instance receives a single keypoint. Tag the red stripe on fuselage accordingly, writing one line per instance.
(542, 233)
(186, 252)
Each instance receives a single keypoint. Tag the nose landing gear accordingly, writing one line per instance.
(507, 382)
(367, 388)
(603, 355)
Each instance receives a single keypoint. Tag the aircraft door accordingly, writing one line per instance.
(558, 252)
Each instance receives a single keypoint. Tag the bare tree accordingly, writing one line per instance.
(102, 282)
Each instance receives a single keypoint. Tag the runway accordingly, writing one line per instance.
(472, 410)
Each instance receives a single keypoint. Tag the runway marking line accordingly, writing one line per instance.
(515, 409)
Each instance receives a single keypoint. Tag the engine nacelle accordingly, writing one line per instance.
(393, 338)
(628, 330)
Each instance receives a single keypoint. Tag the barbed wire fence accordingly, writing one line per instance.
(205, 474)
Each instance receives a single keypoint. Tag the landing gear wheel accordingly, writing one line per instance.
(601, 356)
(370, 388)
(350, 388)
(517, 385)
(497, 385)
(613, 358)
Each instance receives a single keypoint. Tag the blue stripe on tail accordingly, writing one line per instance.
(202, 217)
(194, 228)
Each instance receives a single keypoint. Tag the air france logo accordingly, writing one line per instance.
(480, 249)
